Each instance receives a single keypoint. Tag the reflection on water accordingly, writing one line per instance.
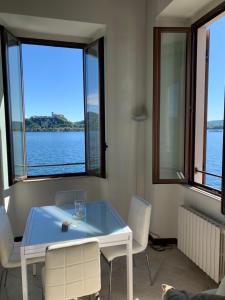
(55, 148)
(214, 157)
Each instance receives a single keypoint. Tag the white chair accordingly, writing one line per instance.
(72, 270)
(139, 222)
(65, 197)
(9, 250)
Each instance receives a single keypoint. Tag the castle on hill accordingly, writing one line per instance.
(57, 115)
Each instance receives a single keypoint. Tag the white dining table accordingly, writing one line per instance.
(101, 220)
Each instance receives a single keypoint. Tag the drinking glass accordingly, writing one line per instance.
(79, 206)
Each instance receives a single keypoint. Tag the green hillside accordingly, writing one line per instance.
(216, 124)
(52, 123)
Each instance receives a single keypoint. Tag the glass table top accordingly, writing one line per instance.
(45, 225)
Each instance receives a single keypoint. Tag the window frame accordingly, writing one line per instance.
(7, 106)
(194, 28)
(55, 43)
(62, 44)
(103, 145)
(190, 108)
(156, 104)
(7, 102)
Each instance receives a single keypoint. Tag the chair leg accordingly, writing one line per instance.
(34, 266)
(134, 262)
(6, 276)
(97, 297)
(148, 265)
(2, 276)
(110, 278)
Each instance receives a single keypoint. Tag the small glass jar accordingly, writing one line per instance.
(80, 209)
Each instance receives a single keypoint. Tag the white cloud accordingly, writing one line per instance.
(93, 99)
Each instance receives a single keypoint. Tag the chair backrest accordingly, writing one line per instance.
(6, 237)
(64, 197)
(139, 220)
(72, 270)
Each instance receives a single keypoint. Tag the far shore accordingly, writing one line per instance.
(217, 128)
(55, 130)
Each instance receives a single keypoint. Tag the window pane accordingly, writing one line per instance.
(214, 157)
(92, 89)
(3, 140)
(94, 109)
(54, 107)
(210, 104)
(215, 106)
(172, 105)
(16, 105)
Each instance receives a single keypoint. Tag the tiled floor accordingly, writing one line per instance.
(169, 266)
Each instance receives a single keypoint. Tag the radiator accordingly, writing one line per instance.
(203, 241)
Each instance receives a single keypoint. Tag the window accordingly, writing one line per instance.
(188, 117)
(54, 109)
(210, 79)
(170, 135)
(54, 99)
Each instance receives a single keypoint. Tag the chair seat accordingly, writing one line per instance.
(117, 251)
(15, 260)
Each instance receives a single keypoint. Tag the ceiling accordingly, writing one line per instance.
(29, 26)
(186, 8)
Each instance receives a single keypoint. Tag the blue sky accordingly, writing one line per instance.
(216, 70)
(53, 78)
(53, 81)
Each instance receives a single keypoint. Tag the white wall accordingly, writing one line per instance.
(129, 158)
(125, 87)
(164, 197)
(167, 198)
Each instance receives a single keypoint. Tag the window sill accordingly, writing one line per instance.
(55, 177)
(203, 192)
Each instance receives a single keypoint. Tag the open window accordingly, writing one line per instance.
(34, 132)
(209, 106)
(170, 104)
(13, 91)
(188, 104)
(94, 108)
(208, 99)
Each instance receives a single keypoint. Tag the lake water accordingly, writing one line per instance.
(69, 147)
(53, 148)
(214, 157)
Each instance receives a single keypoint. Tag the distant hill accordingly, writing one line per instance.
(52, 123)
(216, 124)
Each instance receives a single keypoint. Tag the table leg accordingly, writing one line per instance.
(129, 269)
(24, 274)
